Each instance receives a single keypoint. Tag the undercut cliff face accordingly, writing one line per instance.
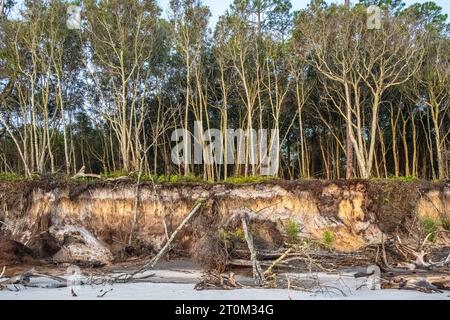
(353, 214)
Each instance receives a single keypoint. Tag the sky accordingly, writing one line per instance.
(218, 7)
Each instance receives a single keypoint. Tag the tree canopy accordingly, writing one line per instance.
(348, 101)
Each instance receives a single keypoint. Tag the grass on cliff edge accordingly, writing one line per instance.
(11, 177)
(180, 179)
(158, 179)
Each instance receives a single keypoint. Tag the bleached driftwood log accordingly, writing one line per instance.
(258, 274)
(82, 174)
(25, 280)
(79, 246)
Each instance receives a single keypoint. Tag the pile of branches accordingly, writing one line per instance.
(305, 255)
(215, 281)
(403, 264)
(411, 267)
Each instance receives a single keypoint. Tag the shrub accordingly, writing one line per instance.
(445, 223)
(239, 233)
(328, 238)
(10, 177)
(429, 228)
(292, 230)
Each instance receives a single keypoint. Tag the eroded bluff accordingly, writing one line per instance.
(118, 217)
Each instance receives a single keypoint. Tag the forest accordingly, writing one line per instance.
(348, 101)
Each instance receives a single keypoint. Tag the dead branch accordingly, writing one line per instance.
(101, 295)
(166, 247)
(274, 264)
(424, 283)
(118, 179)
(212, 281)
(262, 254)
(311, 283)
(25, 280)
(36, 274)
(258, 275)
(311, 257)
(386, 263)
(82, 174)
(266, 264)
(6, 225)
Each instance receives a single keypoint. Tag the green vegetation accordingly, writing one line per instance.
(292, 229)
(429, 228)
(237, 234)
(10, 177)
(114, 174)
(394, 179)
(328, 238)
(249, 179)
(445, 223)
(404, 179)
(252, 70)
(158, 179)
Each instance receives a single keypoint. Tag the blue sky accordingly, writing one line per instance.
(218, 7)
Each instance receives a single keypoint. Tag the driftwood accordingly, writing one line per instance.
(121, 277)
(1, 275)
(211, 281)
(166, 247)
(249, 263)
(312, 283)
(7, 226)
(82, 174)
(245, 215)
(414, 272)
(276, 262)
(104, 293)
(118, 179)
(258, 274)
(25, 280)
(266, 257)
(425, 282)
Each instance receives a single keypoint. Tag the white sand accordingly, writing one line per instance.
(182, 288)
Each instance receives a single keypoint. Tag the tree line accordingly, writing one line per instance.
(349, 101)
